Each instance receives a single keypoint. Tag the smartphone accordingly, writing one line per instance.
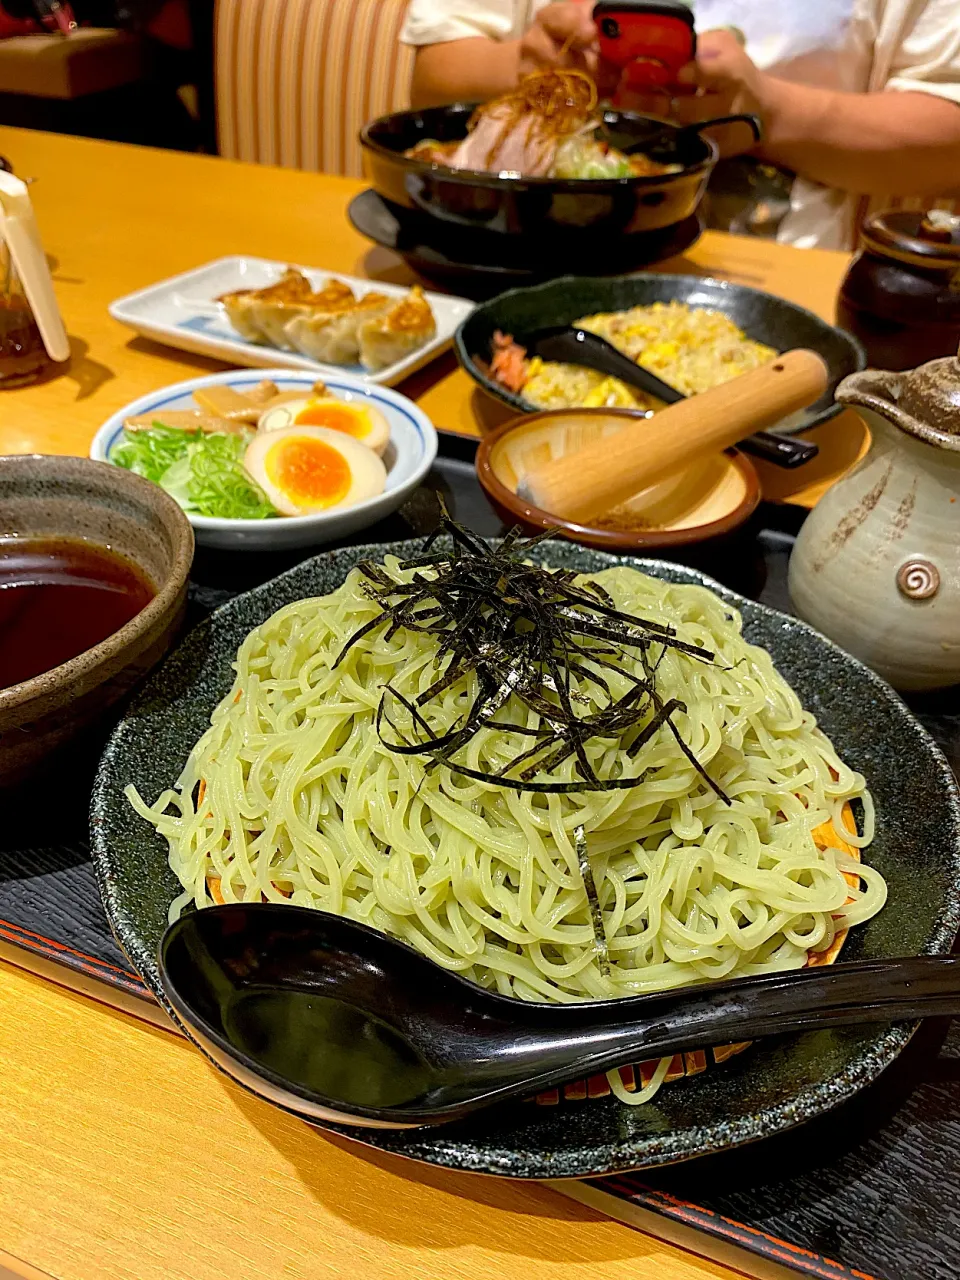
(650, 40)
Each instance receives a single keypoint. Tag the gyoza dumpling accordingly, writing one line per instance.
(398, 332)
(261, 315)
(244, 306)
(237, 306)
(275, 315)
(330, 335)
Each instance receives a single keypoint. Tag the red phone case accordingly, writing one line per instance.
(649, 42)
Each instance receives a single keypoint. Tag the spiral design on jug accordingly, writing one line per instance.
(918, 579)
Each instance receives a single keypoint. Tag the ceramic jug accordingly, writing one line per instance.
(877, 564)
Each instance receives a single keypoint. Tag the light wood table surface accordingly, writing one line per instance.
(123, 1156)
(116, 218)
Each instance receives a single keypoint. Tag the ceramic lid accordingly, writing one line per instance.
(926, 239)
(924, 402)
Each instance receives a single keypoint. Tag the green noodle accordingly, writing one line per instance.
(291, 795)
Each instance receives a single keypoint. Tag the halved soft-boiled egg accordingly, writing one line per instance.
(306, 470)
(364, 422)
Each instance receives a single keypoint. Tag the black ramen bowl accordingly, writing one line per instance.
(562, 213)
(762, 317)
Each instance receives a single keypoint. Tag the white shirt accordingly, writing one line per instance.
(857, 46)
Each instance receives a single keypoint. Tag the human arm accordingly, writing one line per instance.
(870, 143)
(867, 143)
(479, 64)
(470, 70)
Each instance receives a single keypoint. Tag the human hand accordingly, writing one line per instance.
(563, 34)
(725, 80)
(722, 81)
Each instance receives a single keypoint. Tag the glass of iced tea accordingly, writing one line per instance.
(32, 336)
(23, 356)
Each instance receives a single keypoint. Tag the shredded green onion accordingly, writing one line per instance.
(204, 473)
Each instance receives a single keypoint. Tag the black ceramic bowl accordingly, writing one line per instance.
(545, 209)
(761, 316)
(481, 264)
(769, 1088)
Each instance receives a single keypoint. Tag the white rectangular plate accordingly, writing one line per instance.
(183, 312)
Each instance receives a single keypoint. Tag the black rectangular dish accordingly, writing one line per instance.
(871, 1192)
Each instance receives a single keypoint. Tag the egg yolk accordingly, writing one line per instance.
(336, 416)
(309, 472)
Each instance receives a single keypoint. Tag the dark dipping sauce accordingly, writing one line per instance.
(325, 1045)
(59, 597)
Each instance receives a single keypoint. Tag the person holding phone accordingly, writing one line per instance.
(858, 98)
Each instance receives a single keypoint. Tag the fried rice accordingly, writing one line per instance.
(690, 348)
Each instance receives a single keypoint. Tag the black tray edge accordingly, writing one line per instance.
(704, 1232)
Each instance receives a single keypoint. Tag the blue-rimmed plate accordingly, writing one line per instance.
(183, 312)
(408, 458)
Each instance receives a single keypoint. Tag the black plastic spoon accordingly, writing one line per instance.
(339, 1023)
(571, 345)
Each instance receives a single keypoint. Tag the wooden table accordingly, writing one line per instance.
(123, 1156)
(115, 219)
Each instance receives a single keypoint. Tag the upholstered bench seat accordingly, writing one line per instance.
(296, 79)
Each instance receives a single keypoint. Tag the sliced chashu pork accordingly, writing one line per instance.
(517, 149)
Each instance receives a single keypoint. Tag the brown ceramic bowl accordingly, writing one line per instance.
(712, 496)
(79, 498)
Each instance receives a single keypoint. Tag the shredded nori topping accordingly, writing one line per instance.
(530, 633)
(593, 901)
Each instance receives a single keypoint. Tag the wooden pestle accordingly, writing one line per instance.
(599, 477)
